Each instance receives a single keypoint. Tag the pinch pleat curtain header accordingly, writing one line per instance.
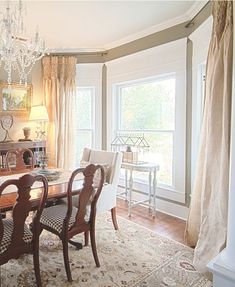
(59, 67)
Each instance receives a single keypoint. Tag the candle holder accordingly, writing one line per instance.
(50, 174)
(43, 160)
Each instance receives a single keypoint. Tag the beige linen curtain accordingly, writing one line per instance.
(207, 221)
(59, 90)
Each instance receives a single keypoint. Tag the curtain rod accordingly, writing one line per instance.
(78, 53)
(190, 23)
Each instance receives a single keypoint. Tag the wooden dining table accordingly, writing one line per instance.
(56, 190)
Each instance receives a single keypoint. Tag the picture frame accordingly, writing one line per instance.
(15, 99)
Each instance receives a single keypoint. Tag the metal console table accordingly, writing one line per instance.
(152, 169)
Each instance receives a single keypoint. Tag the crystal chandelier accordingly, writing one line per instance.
(17, 53)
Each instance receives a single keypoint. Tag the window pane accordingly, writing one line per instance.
(160, 152)
(83, 106)
(82, 139)
(148, 106)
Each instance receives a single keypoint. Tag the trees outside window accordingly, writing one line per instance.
(148, 107)
(84, 120)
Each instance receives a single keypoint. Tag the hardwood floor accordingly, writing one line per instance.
(163, 224)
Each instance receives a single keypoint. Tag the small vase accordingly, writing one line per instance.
(26, 132)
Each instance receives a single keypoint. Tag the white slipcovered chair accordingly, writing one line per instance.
(113, 160)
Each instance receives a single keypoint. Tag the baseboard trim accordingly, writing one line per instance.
(165, 206)
(172, 209)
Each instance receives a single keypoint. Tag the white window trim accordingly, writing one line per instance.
(161, 60)
(93, 104)
(172, 192)
(89, 75)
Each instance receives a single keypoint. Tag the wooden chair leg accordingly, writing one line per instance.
(93, 246)
(66, 260)
(36, 266)
(86, 236)
(114, 218)
(78, 245)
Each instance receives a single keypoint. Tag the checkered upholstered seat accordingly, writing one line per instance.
(16, 238)
(8, 228)
(54, 216)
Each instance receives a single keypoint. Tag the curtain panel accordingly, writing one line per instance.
(207, 220)
(59, 90)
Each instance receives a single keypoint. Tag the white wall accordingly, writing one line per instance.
(91, 75)
(201, 39)
(165, 59)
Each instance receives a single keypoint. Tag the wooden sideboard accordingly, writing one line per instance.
(37, 147)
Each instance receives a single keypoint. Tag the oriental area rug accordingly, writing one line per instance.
(131, 256)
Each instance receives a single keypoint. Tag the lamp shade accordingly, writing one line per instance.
(38, 113)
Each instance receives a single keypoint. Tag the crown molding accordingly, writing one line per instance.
(174, 29)
(80, 51)
(148, 31)
(194, 9)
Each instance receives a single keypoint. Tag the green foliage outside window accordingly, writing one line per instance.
(149, 107)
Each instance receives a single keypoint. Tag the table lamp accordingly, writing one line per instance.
(39, 114)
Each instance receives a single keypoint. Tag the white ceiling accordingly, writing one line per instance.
(97, 25)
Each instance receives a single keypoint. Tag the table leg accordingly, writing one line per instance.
(154, 191)
(130, 193)
(150, 189)
(126, 187)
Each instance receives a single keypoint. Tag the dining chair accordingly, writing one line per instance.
(23, 159)
(67, 220)
(16, 238)
(112, 160)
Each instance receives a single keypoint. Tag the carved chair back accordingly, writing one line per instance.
(88, 197)
(23, 159)
(67, 220)
(20, 212)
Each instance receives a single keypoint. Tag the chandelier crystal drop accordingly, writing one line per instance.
(17, 53)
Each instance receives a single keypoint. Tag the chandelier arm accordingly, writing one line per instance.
(17, 53)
